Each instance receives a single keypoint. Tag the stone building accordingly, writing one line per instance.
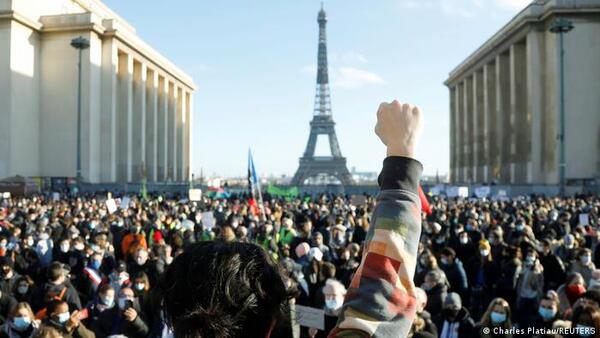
(505, 100)
(136, 104)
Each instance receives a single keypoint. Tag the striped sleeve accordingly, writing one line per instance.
(380, 301)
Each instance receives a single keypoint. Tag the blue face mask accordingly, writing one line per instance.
(63, 317)
(497, 317)
(545, 313)
(21, 323)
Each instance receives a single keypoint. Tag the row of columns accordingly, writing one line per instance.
(490, 123)
(146, 133)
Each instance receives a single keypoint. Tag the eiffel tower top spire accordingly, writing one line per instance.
(322, 95)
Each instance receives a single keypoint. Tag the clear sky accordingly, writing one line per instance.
(254, 62)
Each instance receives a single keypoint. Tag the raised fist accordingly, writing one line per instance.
(399, 128)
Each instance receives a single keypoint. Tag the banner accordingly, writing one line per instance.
(310, 317)
(482, 192)
(283, 192)
(195, 195)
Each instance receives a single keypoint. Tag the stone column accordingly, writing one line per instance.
(182, 135)
(171, 133)
(108, 118)
(162, 130)
(460, 123)
(492, 163)
(179, 135)
(469, 130)
(452, 134)
(520, 117)
(503, 110)
(188, 137)
(478, 127)
(151, 125)
(536, 62)
(125, 118)
(139, 120)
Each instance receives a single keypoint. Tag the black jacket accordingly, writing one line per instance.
(111, 322)
(466, 324)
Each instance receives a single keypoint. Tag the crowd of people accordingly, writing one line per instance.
(71, 268)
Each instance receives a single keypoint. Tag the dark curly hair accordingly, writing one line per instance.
(223, 290)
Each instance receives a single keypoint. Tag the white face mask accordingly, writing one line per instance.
(586, 259)
(484, 253)
(464, 240)
(64, 247)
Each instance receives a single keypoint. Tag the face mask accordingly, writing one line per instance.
(439, 240)
(140, 260)
(545, 313)
(30, 242)
(586, 259)
(333, 304)
(484, 253)
(520, 227)
(22, 289)
(585, 331)
(464, 240)
(139, 286)
(529, 260)
(64, 248)
(44, 236)
(21, 323)
(445, 261)
(426, 287)
(497, 317)
(109, 302)
(122, 303)
(3, 245)
(469, 227)
(64, 317)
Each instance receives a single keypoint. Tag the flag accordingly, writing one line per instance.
(425, 207)
(254, 186)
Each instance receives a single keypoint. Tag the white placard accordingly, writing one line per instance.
(208, 220)
(6, 195)
(310, 317)
(463, 192)
(187, 224)
(195, 194)
(482, 192)
(125, 202)
(584, 219)
(55, 196)
(111, 205)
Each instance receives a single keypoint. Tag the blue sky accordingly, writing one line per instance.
(254, 62)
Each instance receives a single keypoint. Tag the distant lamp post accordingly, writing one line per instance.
(562, 26)
(80, 44)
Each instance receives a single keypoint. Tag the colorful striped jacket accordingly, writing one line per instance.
(380, 301)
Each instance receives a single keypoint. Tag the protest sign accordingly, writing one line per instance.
(584, 219)
(358, 200)
(55, 196)
(208, 220)
(452, 192)
(111, 205)
(463, 192)
(125, 202)
(195, 194)
(310, 317)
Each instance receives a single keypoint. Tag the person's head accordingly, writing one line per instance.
(58, 312)
(587, 320)
(485, 249)
(126, 298)
(56, 273)
(328, 270)
(95, 261)
(6, 267)
(589, 298)
(317, 238)
(223, 289)
(302, 249)
(447, 255)
(24, 285)
(227, 233)
(452, 306)
(497, 313)
(334, 293)
(106, 295)
(585, 256)
(548, 308)
(21, 316)
(141, 282)
(141, 256)
(421, 297)
(432, 279)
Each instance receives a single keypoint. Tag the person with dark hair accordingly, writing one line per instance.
(547, 313)
(454, 320)
(455, 272)
(56, 287)
(223, 289)
(7, 303)
(554, 268)
(9, 275)
(67, 323)
(586, 320)
(23, 289)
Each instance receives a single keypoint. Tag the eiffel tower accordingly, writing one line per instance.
(318, 167)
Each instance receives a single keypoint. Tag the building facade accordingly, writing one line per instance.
(505, 100)
(136, 105)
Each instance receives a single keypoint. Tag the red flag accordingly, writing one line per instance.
(425, 207)
(253, 207)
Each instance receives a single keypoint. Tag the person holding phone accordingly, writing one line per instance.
(126, 318)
